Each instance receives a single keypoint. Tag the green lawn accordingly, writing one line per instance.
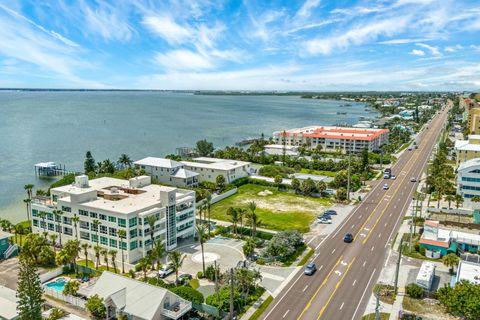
(318, 172)
(101, 268)
(261, 309)
(277, 211)
(371, 316)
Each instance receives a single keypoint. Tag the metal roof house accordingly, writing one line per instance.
(138, 300)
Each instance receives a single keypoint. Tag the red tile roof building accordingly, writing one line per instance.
(334, 138)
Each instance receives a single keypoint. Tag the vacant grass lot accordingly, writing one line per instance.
(277, 211)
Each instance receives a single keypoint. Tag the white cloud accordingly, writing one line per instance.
(453, 48)
(355, 36)
(403, 41)
(167, 28)
(183, 60)
(434, 50)
(307, 8)
(417, 52)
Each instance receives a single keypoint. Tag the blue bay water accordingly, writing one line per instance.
(61, 126)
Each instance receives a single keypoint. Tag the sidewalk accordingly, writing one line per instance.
(255, 306)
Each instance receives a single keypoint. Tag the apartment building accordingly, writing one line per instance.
(473, 121)
(468, 180)
(343, 139)
(105, 206)
(168, 171)
(210, 168)
(467, 149)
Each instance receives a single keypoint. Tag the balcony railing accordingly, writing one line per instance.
(177, 309)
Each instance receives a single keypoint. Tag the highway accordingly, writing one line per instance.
(347, 272)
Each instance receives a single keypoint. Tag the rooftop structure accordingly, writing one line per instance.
(333, 138)
(8, 303)
(117, 204)
(210, 168)
(168, 171)
(468, 271)
(277, 149)
(138, 300)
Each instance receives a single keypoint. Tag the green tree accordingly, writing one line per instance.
(85, 246)
(278, 180)
(158, 251)
(414, 291)
(151, 220)
(125, 161)
(37, 251)
(97, 249)
(234, 218)
(69, 253)
(176, 260)
(296, 184)
(71, 288)
(89, 164)
(248, 247)
(104, 254)
(220, 180)
(458, 200)
(449, 198)
(253, 218)
(29, 292)
(43, 215)
(143, 265)
(188, 293)
(365, 161)
(76, 221)
(95, 226)
(56, 314)
(461, 300)
(96, 307)
(321, 186)
(58, 218)
(223, 301)
(451, 260)
(341, 194)
(28, 204)
(113, 257)
(204, 148)
(308, 187)
(201, 232)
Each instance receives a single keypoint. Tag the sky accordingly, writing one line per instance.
(241, 45)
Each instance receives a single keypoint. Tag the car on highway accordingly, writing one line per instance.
(348, 238)
(385, 186)
(410, 148)
(310, 269)
(392, 177)
(165, 270)
(386, 176)
(325, 220)
(413, 179)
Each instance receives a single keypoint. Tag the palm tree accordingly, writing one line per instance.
(449, 198)
(122, 234)
(253, 218)
(97, 250)
(241, 215)
(28, 202)
(85, 246)
(176, 261)
(201, 237)
(234, 217)
(159, 252)
(75, 221)
(151, 222)
(43, 215)
(96, 224)
(143, 264)
(53, 239)
(113, 257)
(458, 200)
(208, 204)
(104, 254)
(19, 230)
(451, 260)
(125, 160)
(58, 216)
(28, 188)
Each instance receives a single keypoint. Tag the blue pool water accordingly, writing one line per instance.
(57, 285)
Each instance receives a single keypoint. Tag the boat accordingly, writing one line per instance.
(341, 112)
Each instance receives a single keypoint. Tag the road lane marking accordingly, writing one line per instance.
(385, 224)
(379, 235)
(360, 216)
(373, 247)
(320, 267)
(354, 281)
(353, 226)
(342, 305)
(364, 263)
(338, 273)
(305, 288)
(363, 295)
(285, 314)
(336, 288)
(334, 250)
(318, 289)
(316, 248)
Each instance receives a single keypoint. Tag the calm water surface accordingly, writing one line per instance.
(62, 126)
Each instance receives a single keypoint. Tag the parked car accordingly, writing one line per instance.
(325, 220)
(184, 278)
(330, 212)
(165, 270)
(310, 269)
(348, 238)
(385, 186)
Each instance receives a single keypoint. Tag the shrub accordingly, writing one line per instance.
(199, 274)
(260, 261)
(96, 307)
(188, 293)
(284, 244)
(413, 290)
(274, 171)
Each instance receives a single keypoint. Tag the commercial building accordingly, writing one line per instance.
(168, 171)
(439, 242)
(105, 206)
(210, 168)
(467, 149)
(137, 299)
(468, 179)
(333, 138)
(468, 271)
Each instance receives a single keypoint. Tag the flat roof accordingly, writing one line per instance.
(330, 132)
(469, 271)
(149, 198)
(8, 303)
(4, 234)
(158, 162)
(215, 163)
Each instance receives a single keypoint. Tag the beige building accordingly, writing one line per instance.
(467, 149)
(105, 206)
(210, 168)
(474, 121)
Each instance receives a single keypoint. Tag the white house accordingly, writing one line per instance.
(210, 168)
(469, 271)
(168, 171)
(107, 205)
(8, 304)
(138, 300)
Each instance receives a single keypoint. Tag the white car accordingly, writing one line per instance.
(165, 270)
(385, 186)
(393, 177)
(325, 220)
(413, 179)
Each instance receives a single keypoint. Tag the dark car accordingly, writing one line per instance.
(184, 278)
(310, 269)
(331, 212)
(348, 238)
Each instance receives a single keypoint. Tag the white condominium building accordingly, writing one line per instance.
(210, 168)
(333, 138)
(105, 206)
(468, 180)
(168, 171)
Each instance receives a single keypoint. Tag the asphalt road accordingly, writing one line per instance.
(347, 272)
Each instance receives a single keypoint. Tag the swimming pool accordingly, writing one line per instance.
(58, 284)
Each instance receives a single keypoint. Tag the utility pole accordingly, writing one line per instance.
(377, 307)
(348, 178)
(231, 293)
(398, 265)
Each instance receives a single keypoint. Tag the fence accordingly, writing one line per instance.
(454, 211)
(51, 274)
(216, 198)
(76, 301)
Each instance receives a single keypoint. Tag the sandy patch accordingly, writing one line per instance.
(265, 193)
(281, 205)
